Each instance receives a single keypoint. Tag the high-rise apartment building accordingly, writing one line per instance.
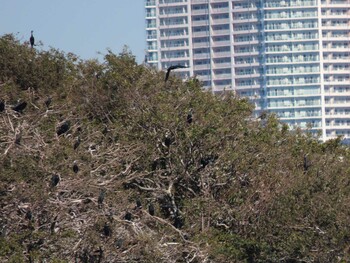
(290, 57)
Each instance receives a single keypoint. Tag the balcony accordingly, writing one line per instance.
(221, 54)
(220, 10)
(222, 65)
(201, 66)
(200, 22)
(222, 76)
(201, 34)
(221, 43)
(221, 32)
(200, 11)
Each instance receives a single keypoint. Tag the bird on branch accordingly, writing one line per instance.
(31, 39)
(172, 68)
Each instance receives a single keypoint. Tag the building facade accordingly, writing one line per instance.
(290, 57)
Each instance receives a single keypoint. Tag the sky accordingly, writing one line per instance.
(83, 27)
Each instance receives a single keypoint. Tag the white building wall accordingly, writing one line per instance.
(290, 57)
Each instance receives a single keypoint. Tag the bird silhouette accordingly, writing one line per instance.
(55, 179)
(172, 68)
(101, 197)
(128, 216)
(75, 167)
(76, 143)
(138, 203)
(190, 116)
(151, 209)
(63, 128)
(48, 102)
(2, 106)
(20, 106)
(31, 39)
(306, 163)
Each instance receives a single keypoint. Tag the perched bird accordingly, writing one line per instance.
(31, 39)
(178, 222)
(75, 167)
(55, 179)
(63, 128)
(18, 136)
(151, 209)
(2, 106)
(190, 116)
(20, 106)
(138, 203)
(306, 163)
(101, 197)
(107, 231)
(76, 143)
(48, 102)
(172, 68)
(128, 216)
(29, 215)
(167, 139)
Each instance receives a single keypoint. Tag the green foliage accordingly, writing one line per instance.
(239, 186)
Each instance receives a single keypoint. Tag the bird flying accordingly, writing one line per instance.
(31, 39)
(172, 68)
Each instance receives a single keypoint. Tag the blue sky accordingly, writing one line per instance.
(84, 27)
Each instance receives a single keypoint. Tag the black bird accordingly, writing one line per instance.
(2, 106)
(76, 143)
(151, 209)
(20, 106)
(31, 39)
(55, 179)
(172, 68)
(167, 139)
(138, 203)
(306, 164)
(75, 167)
(48, 102)
(128, 216)
(190, 116)
(107, 231)
(101, 197)
(63, 128)
(178, 222)
(29, 215)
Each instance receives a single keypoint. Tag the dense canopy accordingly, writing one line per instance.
(153, 186)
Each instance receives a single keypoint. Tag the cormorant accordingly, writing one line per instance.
(63, 128)
(138, 203)
(178, 222)
(151, 209)
(2, 106)
(55, 179)
(172, 68)
(20, 106)
(29, 215)
(190, 116)
(18, 136)
(306, 164)
(167, 139)
(101, 197)
(48, 102)
(75, 167)
(31, 39)
(76, 143)
(107, 231)
(128, 216)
